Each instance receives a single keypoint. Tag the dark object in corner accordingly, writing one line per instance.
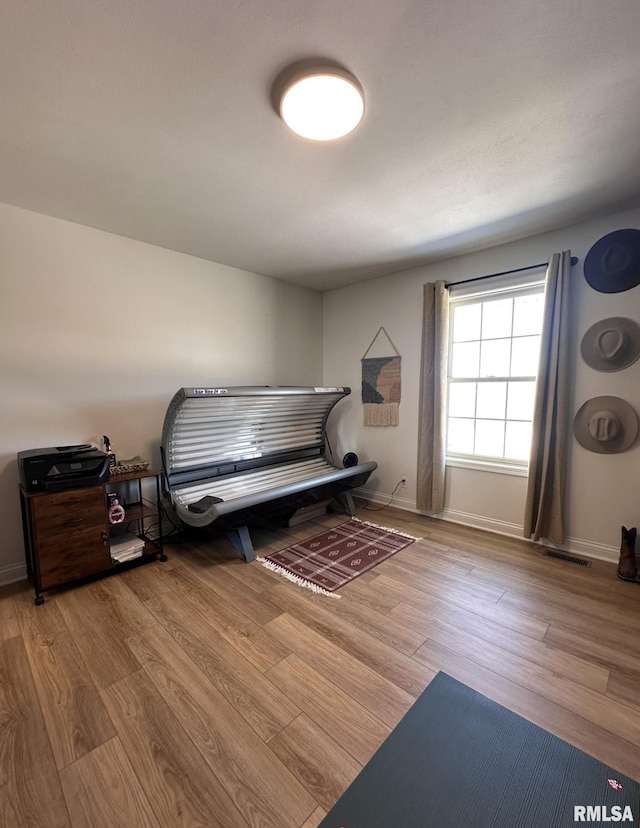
(627, 564)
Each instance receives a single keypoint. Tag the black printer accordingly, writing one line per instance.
(63, 467)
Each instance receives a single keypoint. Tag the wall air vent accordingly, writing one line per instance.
(562, 556)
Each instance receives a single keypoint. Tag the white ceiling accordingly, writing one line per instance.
(484, 122)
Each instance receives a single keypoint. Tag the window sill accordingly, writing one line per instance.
(487, 466)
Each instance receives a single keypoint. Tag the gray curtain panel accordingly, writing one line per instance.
(544, 505)
(433, 398)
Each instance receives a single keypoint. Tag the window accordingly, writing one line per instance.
(493, 363)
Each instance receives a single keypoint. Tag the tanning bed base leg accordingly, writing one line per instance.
(241, 539)
(346, 501)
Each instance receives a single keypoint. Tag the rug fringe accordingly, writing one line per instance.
(296, 579)
(387, 529)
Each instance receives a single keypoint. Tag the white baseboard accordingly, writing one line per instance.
(501, 527)
(383, 499)
(12, 573)
(589, 549)
(576, 546)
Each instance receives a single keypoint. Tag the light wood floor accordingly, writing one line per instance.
(210, 692)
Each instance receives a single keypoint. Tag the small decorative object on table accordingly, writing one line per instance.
(135, 464)
(115, 513)
(108, 450)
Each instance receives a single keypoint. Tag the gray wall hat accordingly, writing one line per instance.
(613, 263)
(611, 344)
(606, 425)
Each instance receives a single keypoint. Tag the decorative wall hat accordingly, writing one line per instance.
(606, 425)
(611, 344)
(613, 263)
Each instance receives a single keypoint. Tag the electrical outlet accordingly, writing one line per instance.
(403, 482)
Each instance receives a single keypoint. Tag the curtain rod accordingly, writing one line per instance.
(574, 262)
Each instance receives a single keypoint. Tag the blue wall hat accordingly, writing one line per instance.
(613, 263)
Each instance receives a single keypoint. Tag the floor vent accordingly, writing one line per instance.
(562, 556)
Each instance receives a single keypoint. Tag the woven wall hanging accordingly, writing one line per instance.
(381, 386)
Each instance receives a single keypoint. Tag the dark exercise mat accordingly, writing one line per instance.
(458, 759)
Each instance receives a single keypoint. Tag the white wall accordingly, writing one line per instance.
(603, 490)
(97, 332)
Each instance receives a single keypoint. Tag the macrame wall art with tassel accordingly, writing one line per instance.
(381, 383)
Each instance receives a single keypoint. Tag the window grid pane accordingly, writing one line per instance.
(497, 319)
(495, 357)
(527, 314)
(467, 323)
(465, 359)
(462, 399)
(460, 435)
(491, 400)
(517, 440)
(489, 440)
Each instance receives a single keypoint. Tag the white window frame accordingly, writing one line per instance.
(510, 285)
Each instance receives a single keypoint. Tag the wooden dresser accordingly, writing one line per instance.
(67, 535)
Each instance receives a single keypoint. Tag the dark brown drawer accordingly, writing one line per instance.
(65, 512)
(77, 555)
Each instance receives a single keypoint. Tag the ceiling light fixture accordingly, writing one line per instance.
(322, 102)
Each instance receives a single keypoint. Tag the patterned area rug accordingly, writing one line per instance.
(325, 562)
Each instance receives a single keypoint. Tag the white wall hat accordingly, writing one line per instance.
(606, 425)
(611, 344)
